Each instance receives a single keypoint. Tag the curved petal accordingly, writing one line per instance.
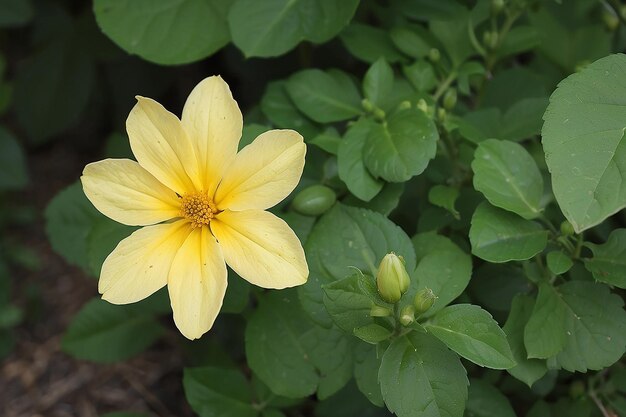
(161, 146)
(125, 192)
(264, 172)
(140, 264)
(197, 283)
(261, 248)
(213, 122)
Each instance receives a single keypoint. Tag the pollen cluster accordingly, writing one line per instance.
(198, 208)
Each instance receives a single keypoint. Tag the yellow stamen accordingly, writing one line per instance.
(198, 208)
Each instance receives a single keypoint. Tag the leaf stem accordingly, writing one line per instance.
(444, 85)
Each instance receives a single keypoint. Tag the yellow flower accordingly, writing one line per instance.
(202, 205)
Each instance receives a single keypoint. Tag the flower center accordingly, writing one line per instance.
(198, 208)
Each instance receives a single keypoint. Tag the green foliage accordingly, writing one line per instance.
(13, 171)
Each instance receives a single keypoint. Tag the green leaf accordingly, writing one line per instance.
(366, 366)
(495, 285)
(527, 370)
(558, 262)
(471, 332)
(325, 96)
(176, 32)
(508, 177)
(372, 333)
(444, 196)
(69, 218)
(410, 41)
(421, 75)
(452, 33)
(585, 144)
(499, 236)
(273, 27)
(544, 334)
(401, 147)
(352, 169)
(13, 173)
(485, 400)
(609, 259)
(419, 377)
(519, 39)
(595, 326)
(343, 238)
(369, 43)
(291, 355)
(329, 141)
(282, 112)
(15, 13)
(426, 10)
(237, 294)
(347, 304)
(103, 332)
(214, 392)
(426, 243)
(385, 201)
(102, 238)
(378, 83)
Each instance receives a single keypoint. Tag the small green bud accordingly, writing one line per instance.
(424, 300)
(406, 104)
(611, 21)
(567, 229)
(576, 389)
(434, 55)
(392, 279)
(422, 105)
(490, 39)
(379, 113)
(441, 114)
(378, 311)
(449, 99)
(314, 200)
(367, 105)
(407, 315)
(497, 6)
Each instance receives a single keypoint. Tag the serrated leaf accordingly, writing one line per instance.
(508, 177)
(544, 334)
(585, 145)
(401, 147)
(500, 236)
(609, 259)
(527, 370)
(347, 304)
(419, 377)
(366, 366)
(471, 332)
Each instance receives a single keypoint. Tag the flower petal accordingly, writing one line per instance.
(264, 172)
(140, 264)
(213, 122)
(261, 248)
(161, 146)
(125, 192)
(197, 283)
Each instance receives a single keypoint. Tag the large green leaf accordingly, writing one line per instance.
(420, 377)
(369, 43)
(485, 400)
(273, 27)
(378, 83)
(345, 238)
(294, 357)
(471, 332)
(499, 236)
(170, 32)
(585, 144)
(402, 146)
(366, 366)
(609, 259)
(325, 97)
(103, 237)
(103, 332)
(508, 177)
(526, 370)
(218, 392)
(281, 111)
(352, 170)
(544, 334)
(13, 174)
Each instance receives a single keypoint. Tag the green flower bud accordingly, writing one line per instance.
(422, 105)
(392, 279)
(367, 105)
(449, 99)
(314, 200)
(497, 6)
(379, 113)
(434, 55)
(406, 104)
(441, 114)
(378, 311)
(424, 300)
(567, 229)
(407, 315)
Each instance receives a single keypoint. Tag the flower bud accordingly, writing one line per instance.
(441, 114)
(497, 6)
(434, 55)
(449, 99)
(422, 105)
(392, 279)
(567, 229)
(424, 300)
(378, 311)
(379, 113)
(406, 104)
(407, 315)
(367, 105)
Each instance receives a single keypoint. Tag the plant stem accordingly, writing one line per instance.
(444, 85)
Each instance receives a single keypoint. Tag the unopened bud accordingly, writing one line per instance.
(378, 311)
(449, 99)
(406, 104)
(441, 114)
(434, 55)
(392, 279)
(567, 229)
(379, 114)
(497, 6)
(407, 315)
(367, 105)
(422, 105)
(424, 300)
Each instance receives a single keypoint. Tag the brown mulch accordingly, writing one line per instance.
(37, 379)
